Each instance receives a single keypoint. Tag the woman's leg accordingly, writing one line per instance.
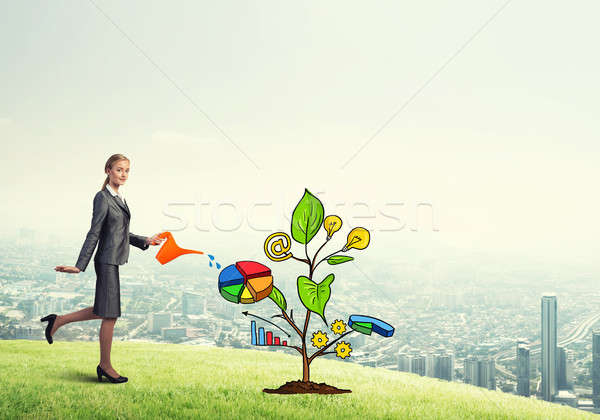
(106, 335)
(83, 315)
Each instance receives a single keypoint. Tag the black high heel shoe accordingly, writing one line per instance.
(51, 319)
(100, 372)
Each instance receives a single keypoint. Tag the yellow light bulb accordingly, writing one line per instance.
(357, 238)
(332, 224)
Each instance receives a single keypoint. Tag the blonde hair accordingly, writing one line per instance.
(109, 163)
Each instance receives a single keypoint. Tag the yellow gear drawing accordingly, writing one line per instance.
(319, 339)
(343, 349)
(338, 327)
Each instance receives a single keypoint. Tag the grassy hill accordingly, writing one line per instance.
(180, 381)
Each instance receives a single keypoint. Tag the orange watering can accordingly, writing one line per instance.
(170, 250)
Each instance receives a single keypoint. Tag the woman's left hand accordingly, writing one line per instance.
(155, 240)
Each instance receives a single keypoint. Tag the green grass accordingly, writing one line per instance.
(180, 381)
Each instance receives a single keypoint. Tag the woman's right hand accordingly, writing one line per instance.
(67, 269)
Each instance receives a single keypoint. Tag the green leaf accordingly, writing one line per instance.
(277, 297)
(307, 218)
(314, 296)
(338, 259)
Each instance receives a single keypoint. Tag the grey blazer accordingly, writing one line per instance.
(110, 227)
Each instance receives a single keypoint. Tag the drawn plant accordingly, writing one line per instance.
(308, 218)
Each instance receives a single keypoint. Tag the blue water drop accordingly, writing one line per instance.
(212, 257)
(210, 264)
(218, 265)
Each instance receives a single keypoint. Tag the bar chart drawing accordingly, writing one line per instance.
(264, 338)
(253, 333)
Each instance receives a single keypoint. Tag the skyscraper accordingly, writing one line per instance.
(192, 304)
(445, 367)
(430, 362)
(158, 321)
(412, 362)
(523, 366)
(490, 369)
(480, 372)
(471, 374)
(565, 369)
(596, 368)
(440, 365)
(549, 352)
(561, 371)
(417, 365)
(404, 362)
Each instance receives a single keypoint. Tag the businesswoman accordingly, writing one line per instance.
(110, 230)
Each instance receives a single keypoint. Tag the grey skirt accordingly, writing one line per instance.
(107, 302)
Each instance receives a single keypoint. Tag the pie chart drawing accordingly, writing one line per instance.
(367, 324)
(245, 282)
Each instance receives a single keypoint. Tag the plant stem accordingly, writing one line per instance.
(312, 269)
(292, 323)
(305, 361)
(330, 255)
(306, 322)
(295, 347)
(306, 252)
(301, 260)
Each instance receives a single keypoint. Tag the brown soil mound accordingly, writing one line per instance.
(299, 387)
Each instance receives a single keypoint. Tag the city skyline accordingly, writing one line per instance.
(179, 304)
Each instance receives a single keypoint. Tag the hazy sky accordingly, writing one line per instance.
(502, 142)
